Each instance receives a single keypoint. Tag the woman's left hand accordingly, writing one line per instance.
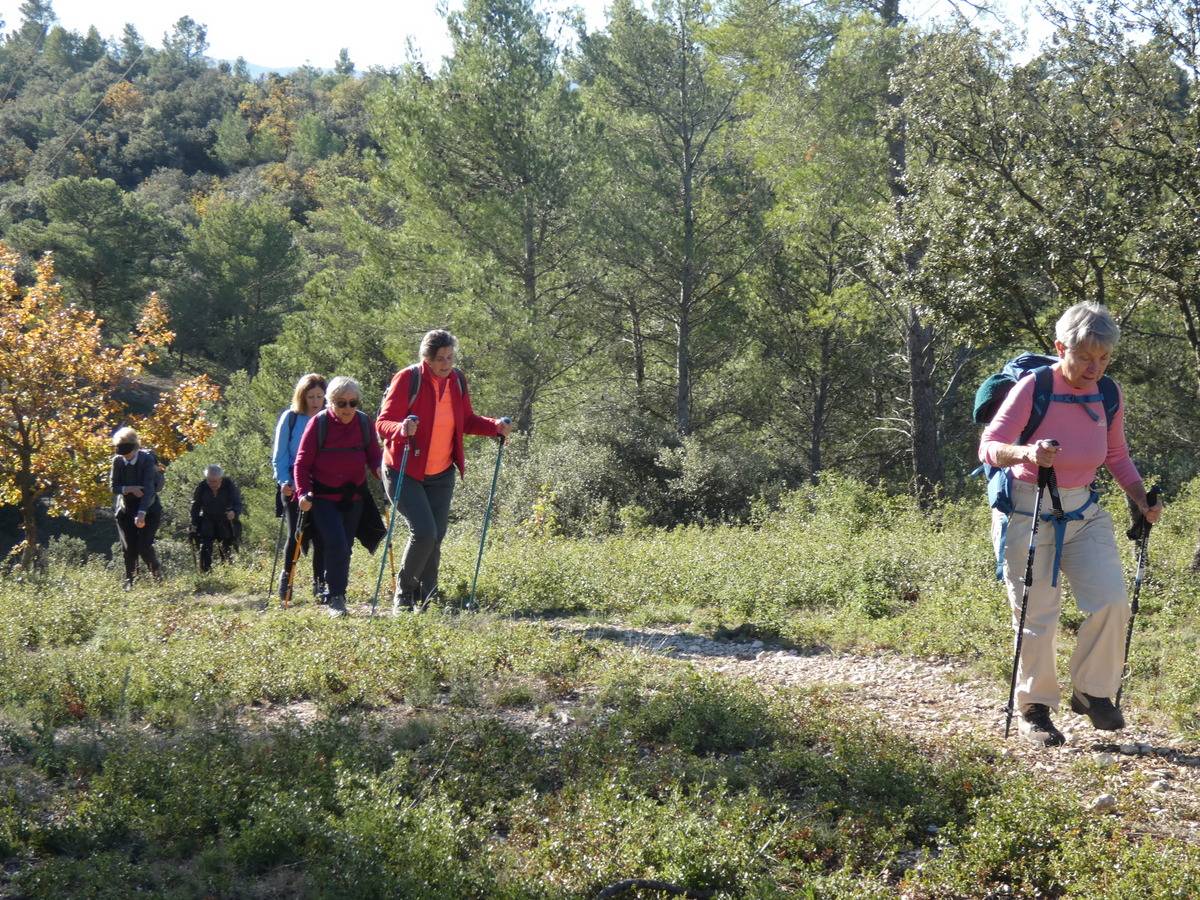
(503, 428)
(1154, 513)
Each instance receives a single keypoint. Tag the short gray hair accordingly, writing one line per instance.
(213, 469)
(341, 386)
(1088, 323)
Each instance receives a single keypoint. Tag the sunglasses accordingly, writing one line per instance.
(342, 404)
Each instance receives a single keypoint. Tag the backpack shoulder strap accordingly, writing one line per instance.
(364, 423)
(322, 429)
(462, 381)
(414, 384)
(1043, 388)
(1111, 395)
(291, 423)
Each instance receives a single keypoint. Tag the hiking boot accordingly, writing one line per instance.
(337, 606)
(283, 587)
(1104, 714)
(403, 601)
(127, 584)
(1035, 726)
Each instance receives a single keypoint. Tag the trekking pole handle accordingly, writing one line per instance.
(503, 420)
(1138, 526)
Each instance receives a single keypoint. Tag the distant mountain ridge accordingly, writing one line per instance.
(257, 71)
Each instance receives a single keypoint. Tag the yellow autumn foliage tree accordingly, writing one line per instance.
(57, 405)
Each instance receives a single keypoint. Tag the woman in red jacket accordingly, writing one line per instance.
(435, 392)
(336, 452)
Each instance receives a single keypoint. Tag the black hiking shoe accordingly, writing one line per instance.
(337, 606)
(1104, 714)
(403, 601)
(127, 584)
(1035, 726)
(283, 588)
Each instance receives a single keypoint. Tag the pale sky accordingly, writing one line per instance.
(286, 33)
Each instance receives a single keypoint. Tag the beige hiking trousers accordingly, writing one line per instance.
(1091, 564)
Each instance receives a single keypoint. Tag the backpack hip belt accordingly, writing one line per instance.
(1059, 519)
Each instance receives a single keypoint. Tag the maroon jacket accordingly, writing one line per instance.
(395, 410)
(337, 464)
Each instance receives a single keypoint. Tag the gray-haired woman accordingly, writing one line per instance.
(1076, 437)
(337, 450)
(133, 480)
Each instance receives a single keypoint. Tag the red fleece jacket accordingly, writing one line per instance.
(395, 410)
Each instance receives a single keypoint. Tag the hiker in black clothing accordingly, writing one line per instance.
(216, 508)
(135, 482)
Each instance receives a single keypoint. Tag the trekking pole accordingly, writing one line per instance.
(387, 541)
(392, 566)
(1044, 477)
(275, 560)
(1139, 531)
(487, 515)
(301, 524)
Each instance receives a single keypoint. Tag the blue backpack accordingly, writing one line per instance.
(987, 402)
(993, 391)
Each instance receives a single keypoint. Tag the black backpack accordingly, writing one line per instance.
(160, 478)
(364, 422)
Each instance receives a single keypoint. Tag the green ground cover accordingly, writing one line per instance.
(179, 741)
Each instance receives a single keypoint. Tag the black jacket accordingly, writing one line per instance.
(208, 509)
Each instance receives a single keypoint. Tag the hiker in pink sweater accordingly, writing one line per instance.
(1082, 545)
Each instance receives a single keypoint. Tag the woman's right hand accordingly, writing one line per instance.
(1042, 453)
(306, 503)
(410, 426)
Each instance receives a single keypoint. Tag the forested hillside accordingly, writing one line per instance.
(701, 255)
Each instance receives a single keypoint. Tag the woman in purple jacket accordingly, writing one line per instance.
(338, 449)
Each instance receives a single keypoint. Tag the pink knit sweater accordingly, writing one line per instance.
(1086, 444)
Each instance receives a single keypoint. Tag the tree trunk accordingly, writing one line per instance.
(639, 353)
(530, 286)
(687, 275)
(928, 465)
(683, 375)
(524, 422)
(29, 551)
(820, 401)
(1190, 326)
(683, 364)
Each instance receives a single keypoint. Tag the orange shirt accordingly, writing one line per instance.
(442, 438)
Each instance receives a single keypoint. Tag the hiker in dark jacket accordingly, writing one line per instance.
(133, 481)
(442, 406)
(216, 508)
(331, 479)
(308, 400)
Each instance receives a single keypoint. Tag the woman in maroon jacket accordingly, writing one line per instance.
(337, 450)
(435, 392)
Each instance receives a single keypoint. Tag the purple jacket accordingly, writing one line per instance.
(342, 461)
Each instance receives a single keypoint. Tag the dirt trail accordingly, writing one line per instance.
(1151, 774)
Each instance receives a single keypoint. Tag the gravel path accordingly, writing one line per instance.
(1143, 773)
